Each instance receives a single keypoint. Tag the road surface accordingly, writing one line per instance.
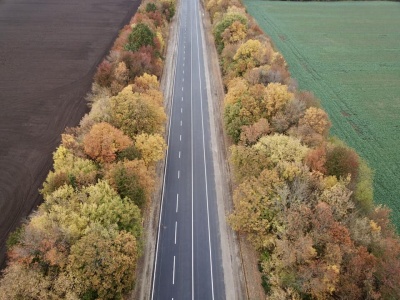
(188, 262)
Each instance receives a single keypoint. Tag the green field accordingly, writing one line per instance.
(348, 54)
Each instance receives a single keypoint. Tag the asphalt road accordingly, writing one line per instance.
(188, 263)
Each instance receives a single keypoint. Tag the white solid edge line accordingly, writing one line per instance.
(191, 145)
(166, 160)
(204, 157)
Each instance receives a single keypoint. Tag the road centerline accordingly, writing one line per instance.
(176, 226)
(173, 273)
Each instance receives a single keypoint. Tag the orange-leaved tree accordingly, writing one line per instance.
(104, 141)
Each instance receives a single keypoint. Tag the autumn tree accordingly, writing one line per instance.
(357, 280)
(294, 111)
(233, 121)
(101, 264)
(22, 282)
(254, 212)
(69, 169)
(317, 119)
(104, 141)
(276, 98)
(168, 9)
(226, 22)
(281, 148)
(237, 87)
(145, 60)
(316, 159)
(132, 179)
(251, 133)
(278, 71)
(151, 146)
(247, 161)
(151, 7)
(249, 55)
(145, 83)
(99, 101)
(285, 153)
(243, 107)
(140, 36)
(342, 161)
(103, 76)
(76, 211)
(121, 78)
(338, 196)
(363, 193)
(136, 113)
(235, 33)
(309, 255)
(313, 127)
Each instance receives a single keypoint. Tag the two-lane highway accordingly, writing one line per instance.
(188, 263)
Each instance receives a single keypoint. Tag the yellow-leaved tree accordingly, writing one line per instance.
(151, 146)
(251, 54)
(135, 113)
(69, 169)
(235, 33)
(276, 98)
(101, 264)
(254, 208)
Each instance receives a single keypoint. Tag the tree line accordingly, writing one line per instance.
(84, 240)
(302, 198)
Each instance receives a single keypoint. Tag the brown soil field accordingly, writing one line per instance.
(49, 51)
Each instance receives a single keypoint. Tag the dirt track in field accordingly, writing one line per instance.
(49, 51)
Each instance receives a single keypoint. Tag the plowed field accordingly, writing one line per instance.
(49, 50)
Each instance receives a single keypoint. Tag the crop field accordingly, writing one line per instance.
(348, 54)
